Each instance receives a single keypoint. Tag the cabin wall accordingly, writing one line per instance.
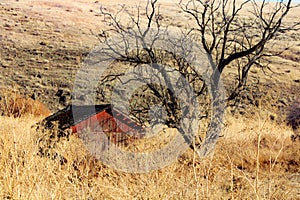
(103, 122)
(116, 131)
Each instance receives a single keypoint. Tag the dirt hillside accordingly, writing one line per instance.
(43, 44)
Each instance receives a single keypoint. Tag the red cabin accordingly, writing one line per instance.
(100, 119)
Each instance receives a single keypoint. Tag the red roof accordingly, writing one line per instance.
(79, 117)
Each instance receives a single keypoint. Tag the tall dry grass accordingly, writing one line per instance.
(254, 160)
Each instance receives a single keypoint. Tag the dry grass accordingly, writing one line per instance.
(14, 104)
(254, 159)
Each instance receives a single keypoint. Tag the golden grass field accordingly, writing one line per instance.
(42, 45)
(254, 159)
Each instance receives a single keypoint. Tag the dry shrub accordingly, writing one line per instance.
(293, 119)
(14, 104)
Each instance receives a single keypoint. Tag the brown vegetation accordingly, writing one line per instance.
(14, 104)
(293, 119)
(254, 158)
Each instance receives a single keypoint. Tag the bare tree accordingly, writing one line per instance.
(238, 33)
(227, 35)
(144, 26)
